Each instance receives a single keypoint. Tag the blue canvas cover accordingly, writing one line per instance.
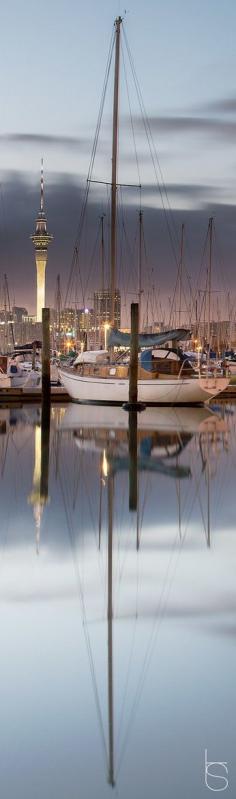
(119, 339)
(146, 360)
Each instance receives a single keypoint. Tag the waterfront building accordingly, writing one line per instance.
(6, 330)
(87, 327)
(18, 313)
(103, 313)
(66, 329)
(41, 239)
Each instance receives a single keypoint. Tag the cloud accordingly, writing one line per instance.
(186, 124)
(188, 191)
(44, 139)
(226, 105)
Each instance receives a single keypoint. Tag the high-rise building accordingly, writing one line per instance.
(86, 327)
(41, 239)
(103, 311)
(18, 313)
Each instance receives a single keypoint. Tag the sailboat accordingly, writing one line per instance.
(93, 379)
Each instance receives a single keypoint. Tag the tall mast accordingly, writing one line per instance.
(114, 167)
(230, 320)
(102, 253)
(181, 272)
(209, 282)
(58, 312)
(5, 315)
(140, 264)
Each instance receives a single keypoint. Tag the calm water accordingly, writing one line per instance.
(133, 697)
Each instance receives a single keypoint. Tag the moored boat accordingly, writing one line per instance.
(114, 388)
(108, 381)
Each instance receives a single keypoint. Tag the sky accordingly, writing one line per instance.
(53, 58)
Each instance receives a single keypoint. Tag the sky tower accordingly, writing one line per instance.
(41, 239)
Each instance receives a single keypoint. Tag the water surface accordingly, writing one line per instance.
(118, 598)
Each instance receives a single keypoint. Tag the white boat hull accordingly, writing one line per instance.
(169, 391)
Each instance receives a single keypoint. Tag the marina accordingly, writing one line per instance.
(117, 400)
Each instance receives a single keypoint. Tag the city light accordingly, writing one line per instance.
(106, 328)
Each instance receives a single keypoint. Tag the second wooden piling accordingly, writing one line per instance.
(46, 355)
(133, 368)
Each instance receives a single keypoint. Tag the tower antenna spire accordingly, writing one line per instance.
(41, 187)
(41, 239)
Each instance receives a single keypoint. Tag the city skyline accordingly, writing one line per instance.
(189, 97)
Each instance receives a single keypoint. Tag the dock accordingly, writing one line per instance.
(32, 395)
(229, 393)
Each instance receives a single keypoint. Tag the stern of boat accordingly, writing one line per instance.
(213, 386)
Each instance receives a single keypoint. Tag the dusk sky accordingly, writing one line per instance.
(53, 58)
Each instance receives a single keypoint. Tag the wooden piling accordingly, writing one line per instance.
(46, 355)
(133, 468)
(33, 355)
(133, 403)
(133, 369)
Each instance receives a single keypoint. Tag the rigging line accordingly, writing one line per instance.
(154, 634)
(175, 552)
(126, 683)
(220, 484)
(88, 501)
(148, 271)
(155, 629)
(130, 657)
(131, 118)
(147, 127)
(118, 185)
(145, 497)
(220, 266)
(20, 449)
(177, 282)
(123, 555)
(195, 294)
(94, 149)
(91, 267)
(197, 496)
(76, 478)
(121, 226)
(86, 494)
(128, 272)
(5, 455)
(85, 624)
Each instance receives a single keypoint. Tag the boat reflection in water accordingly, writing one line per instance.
(132, 597)
(38, 497)
(152, 443)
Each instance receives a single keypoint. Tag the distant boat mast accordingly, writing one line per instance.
(118, 22)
